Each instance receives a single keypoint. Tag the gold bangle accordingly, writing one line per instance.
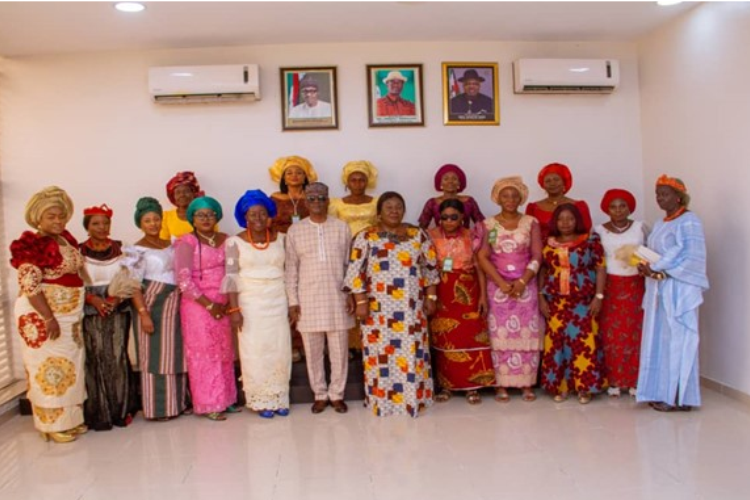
(142, 310)
(47, 320)
(232, 310)
(360, 302)
(522, 281)
(432, 297)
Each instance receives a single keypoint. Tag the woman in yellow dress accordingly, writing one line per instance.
(181, 190)
(358, 209)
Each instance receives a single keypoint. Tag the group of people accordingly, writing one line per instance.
(459, 303)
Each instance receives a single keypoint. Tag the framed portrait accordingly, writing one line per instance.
(470, 94)
(394, 95)
(308, 99)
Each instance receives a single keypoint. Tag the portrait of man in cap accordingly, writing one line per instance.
(312, 106)
(308, 97)
(467, 90)
(395, 94)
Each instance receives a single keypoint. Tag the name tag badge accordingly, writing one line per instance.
(493, 236)
(295, 219)
(448, 265)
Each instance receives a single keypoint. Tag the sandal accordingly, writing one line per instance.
(443, 396)
(473, 398)
(559, 398)
(233, 409)
(216, 416)
(613, 392)
(266, 414)
(501, 395)
(584, 398)
(528, 395)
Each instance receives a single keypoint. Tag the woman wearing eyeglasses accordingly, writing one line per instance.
(463, 359)
(209, 348)
(510, 256)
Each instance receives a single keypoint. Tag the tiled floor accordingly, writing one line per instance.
(608, 450)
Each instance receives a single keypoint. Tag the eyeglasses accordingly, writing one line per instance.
(320, 198)
(450, 217)
(309, 91)
(205, 215)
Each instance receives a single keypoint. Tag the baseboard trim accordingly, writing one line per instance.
(730, 392)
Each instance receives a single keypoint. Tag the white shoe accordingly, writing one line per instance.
(614, 392)
(633, 391)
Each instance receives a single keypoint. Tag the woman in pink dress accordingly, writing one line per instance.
(207, 335)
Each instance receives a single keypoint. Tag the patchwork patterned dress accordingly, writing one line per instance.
(393, 272)
(54, 368)
(573, 358)
(463, 358)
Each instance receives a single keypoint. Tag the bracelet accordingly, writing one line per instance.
(47, 320)
(360, 302)
(209, 306)
(522, 281)
(432, 297)
(233, 310)
(142, 310)
(599, 296)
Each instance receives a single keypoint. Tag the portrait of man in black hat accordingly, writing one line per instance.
(471, 104)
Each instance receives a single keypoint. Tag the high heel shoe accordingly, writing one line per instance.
(78, 430)
(59, 437)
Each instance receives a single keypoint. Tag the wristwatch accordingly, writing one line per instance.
(599, 296)
(432, 297)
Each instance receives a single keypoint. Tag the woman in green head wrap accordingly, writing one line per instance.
(157, 324)
(209, 347)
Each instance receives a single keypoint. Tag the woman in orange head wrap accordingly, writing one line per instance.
(556, 180)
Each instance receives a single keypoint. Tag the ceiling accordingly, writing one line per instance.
(35, 28)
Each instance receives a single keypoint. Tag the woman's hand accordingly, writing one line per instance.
(504, 286)
(595, 306)
(517, 288)
(483, 305)
(103, 307)
(543, 306)
(362, 310)
(147, 324)
(430, 306)
(644, 269)
(237, 321)
(53, 328)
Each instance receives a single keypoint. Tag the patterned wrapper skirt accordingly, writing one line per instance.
(160, 354)
(572, 359)
(461, 345)
(620, 323)
(54, 368)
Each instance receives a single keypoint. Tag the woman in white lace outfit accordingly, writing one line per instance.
(258, 305)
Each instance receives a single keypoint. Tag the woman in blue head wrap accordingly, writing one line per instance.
(200, 265)
(258, 307)
(157, 324)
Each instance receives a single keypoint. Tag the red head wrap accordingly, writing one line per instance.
(556, 168)
(614, 194)
(100, 210)
(183, 178)
(450, 168)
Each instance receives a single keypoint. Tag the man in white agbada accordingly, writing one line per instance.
(312, 107)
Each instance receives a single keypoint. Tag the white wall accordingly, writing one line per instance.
(85, 122)
(695, 107)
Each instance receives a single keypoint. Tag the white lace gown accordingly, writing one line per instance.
(265, 340)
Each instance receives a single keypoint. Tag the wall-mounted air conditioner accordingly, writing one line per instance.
(187, 84)
(565, 76)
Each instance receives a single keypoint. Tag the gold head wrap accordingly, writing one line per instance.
(364, 167)
(277, 169)
(45, 199)
(516, 183)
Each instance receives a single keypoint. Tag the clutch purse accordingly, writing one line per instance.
(123, 285)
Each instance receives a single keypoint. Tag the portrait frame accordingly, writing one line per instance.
(296, 114)
(457, 107)
(411, 95)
